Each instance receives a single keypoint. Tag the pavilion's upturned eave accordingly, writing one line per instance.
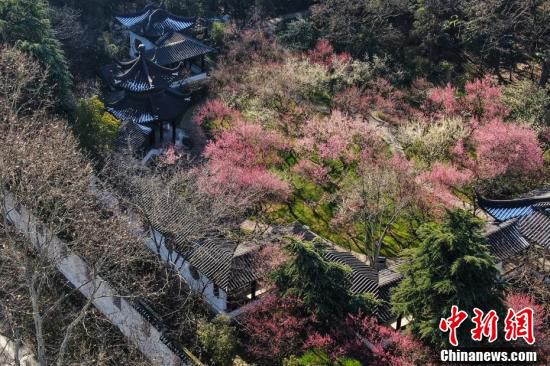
(146, 108)
(155, 22)
(185, 49)
(167, 25)
(503, 210)
(140, 75)
(130, 21)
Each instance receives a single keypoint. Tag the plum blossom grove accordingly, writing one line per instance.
(492, 148)
(336, 170)
(278, 183)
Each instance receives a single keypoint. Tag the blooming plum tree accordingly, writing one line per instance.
(495, 150)
(214, 110)
(276, 328)
(482, 100)
(488, 149)
(336, 137)
(389, 347)
(239, 159)
(323, 54)
(518, 301)
(504, 148)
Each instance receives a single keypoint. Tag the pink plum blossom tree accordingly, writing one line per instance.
(239, 160)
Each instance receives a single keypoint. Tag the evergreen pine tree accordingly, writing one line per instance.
(452, 266)
(323, 286)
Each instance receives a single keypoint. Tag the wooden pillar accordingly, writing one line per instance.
(161, 132)
(173, 132)
(398, 323)
(152, 139)
(253, 290)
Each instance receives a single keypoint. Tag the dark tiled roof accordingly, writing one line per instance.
(366, 279)
(153, 22)
(180, 49)
(145, 108)
(215, 258)
(519, 223)
(507, 213)
(536, 227)
(140, 75)
(242, 271)
(132, 136)
(506, 241)
(503, 210)
(221, 260)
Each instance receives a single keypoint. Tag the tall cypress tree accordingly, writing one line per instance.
(452, 266)
(323, 286)
(25, 24)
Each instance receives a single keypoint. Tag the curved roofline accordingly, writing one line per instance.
(141, 22)
(511, 203)
(152, 76)
(150, 64)
(126, 63)
(147, 95)
(145, 9)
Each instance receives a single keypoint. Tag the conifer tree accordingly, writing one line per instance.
(323, 286)
(25, 24)
(452, 266)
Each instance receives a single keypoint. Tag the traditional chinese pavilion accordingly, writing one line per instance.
(166, 37)
(149, 90)
(144, 93)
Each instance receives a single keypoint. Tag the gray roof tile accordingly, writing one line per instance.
(153, 22)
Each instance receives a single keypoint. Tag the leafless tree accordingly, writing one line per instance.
(66, 25)
(42, 168)
(377, 200)
(532, 274)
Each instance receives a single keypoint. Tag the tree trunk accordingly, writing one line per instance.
(545, 74)
(38, 320)
(69, 331)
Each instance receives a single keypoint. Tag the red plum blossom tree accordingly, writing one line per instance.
(519, 301)
(482, 100)
(276, 328)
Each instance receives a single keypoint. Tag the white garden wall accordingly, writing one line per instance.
(119, 311)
